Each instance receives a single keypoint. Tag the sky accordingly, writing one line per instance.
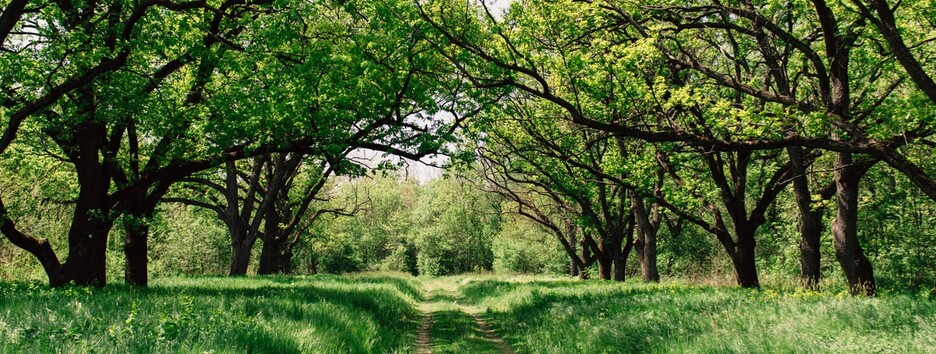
(426, 170)
(420, 171)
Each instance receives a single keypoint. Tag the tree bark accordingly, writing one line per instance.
(573, 262)
(273, 242)
(136, 268)
(745, 262)
(810, 226)
(286, 262)
(240, 254)
(240, 259)
(270, 256)
(587, 257)
(92, 219)
(137, 210)
(605, 260)
(646, 243)
(855, 265)
(87, 255)
(625, 244)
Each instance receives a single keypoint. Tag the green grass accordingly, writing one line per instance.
(319, 314)
(453, 330)
(565, 316)
(380, 313)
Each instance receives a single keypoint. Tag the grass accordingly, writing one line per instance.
(381, 313)
(565, 316)
(453, 330)
(319, 314)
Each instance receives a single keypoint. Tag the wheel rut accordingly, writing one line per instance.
(450, 326)
(423, 341)
(489, 333)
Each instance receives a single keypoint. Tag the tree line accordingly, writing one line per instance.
(707, 110)
(604, 122)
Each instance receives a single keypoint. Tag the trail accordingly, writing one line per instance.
(423, 343)
(489, 333)
(450, 326)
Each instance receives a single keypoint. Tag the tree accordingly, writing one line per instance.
(238, 100)
(269, 197)
(761, 56)
(383, 232)
(570, 166)
(752, 32)
(548, 210)
(85, 116)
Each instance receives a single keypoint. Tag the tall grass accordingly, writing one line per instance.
(318, 314)
(378, 313)
(565, 316)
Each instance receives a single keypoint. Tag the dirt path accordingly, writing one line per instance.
(423, 345)
(489, 333)
(450, 326)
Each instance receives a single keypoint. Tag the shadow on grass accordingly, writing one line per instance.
(263, 341)
(394, 318)
(640, 316)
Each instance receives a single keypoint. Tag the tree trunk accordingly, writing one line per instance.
(274, 242)
(136, 270)
(810, 226)
(605, 261)
(92, 219)
(646, 244)
(587, 258)
(573, 264)
(742, 254)
(313, 264)
(648, 258)
(271, 255)
(136, 229)
(87, 254)
(286, 262)
(240, 254)
(620, 265)
(744, 261)
(855, 265)
(627, 242)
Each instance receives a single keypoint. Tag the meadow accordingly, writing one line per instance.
(382, 313)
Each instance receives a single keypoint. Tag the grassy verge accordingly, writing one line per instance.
(321, 314)
(566, 316)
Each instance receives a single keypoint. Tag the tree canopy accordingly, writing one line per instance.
(614, 125)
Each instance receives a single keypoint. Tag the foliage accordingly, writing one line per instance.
(177, 232)
(454, 225)
(444, 227)
(525, 248)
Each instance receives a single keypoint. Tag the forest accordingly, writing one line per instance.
(466, 167)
